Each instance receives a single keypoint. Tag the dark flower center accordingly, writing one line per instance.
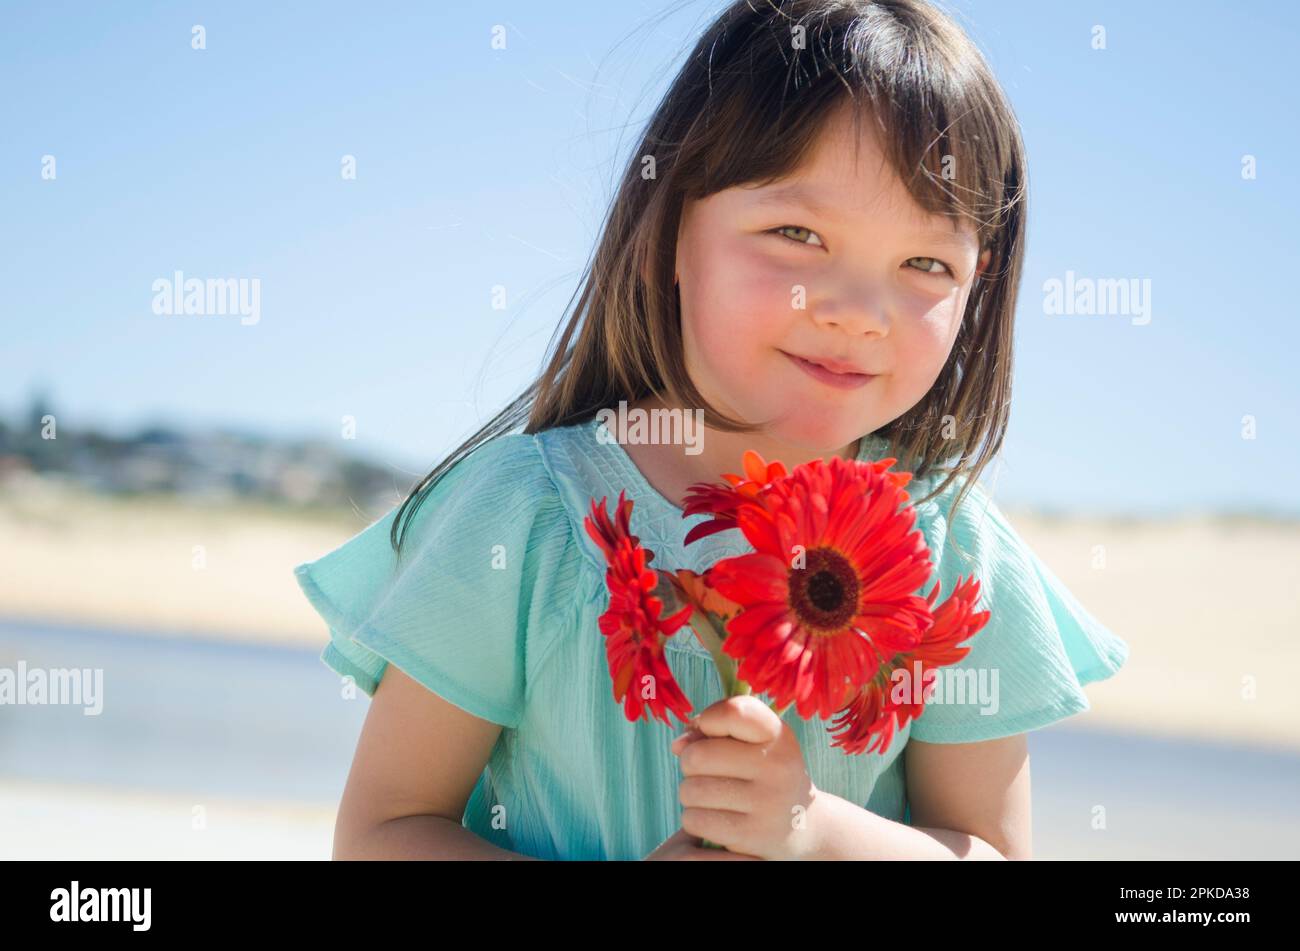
(824, 591)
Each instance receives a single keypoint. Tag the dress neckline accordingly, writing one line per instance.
(639, 488)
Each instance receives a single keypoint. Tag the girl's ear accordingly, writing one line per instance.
(983, 263)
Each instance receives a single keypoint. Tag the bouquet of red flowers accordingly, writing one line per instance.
(821, 615)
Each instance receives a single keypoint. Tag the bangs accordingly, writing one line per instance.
(941, 126)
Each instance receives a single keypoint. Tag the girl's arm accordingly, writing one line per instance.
(968, 801)
(416, 764)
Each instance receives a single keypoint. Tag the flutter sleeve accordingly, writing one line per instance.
(453, 610)
(1036, 651)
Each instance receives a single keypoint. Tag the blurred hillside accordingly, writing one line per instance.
(217, 465)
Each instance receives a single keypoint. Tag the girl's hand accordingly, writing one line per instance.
(746, 786)
(683, 847)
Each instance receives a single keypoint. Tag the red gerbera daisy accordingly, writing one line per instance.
(722, 501)
(633, 626)
(827, 592)
(873, 715)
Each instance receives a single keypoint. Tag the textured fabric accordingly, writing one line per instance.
(494, 605)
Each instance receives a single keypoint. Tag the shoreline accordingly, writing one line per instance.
(1208, 658)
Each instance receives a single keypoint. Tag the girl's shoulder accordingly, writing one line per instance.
(490, 548)
(1040, 645)
(503, 481)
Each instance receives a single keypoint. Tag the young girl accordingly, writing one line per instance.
(817, 244)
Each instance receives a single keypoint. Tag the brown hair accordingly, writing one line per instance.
(745, 108)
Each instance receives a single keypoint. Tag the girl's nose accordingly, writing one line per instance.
(856, 307)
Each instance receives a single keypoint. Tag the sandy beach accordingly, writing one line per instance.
(1210, 607)
(113, 824)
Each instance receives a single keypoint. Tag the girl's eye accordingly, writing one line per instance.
(932, 261)
(925, 270)
(784, 228)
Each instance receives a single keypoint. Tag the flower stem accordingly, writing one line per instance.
(712, 641)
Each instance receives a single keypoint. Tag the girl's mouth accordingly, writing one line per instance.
(843, 381)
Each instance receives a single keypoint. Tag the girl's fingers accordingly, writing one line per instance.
(687, 738)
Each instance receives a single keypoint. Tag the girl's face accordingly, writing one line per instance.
(834, 263)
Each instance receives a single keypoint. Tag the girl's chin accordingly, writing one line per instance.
(822, 435)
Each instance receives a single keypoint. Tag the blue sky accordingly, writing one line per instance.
(478, 167)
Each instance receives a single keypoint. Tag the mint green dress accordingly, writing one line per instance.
(493, 606)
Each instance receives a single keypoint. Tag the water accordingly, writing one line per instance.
(183, 714)
(1162, 798)
(205, 718)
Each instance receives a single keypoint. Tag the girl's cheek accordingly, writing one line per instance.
(741, 309)
(773, 276)
(766, 296)
(922, 341)
(744, 301)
